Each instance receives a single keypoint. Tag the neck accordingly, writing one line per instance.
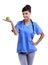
(27, 20)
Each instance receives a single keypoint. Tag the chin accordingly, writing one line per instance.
(26, 18)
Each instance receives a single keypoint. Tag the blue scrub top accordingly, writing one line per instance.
(25, 36)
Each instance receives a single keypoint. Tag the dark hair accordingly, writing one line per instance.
(27, 8)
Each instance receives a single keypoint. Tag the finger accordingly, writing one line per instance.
(4, 19)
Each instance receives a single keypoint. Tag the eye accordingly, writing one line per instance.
(26, 13)
(23, 13)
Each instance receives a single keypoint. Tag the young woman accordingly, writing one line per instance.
(26, 29)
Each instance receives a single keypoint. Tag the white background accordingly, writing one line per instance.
(8, 41)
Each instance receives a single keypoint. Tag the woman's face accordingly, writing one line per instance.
(26, 15)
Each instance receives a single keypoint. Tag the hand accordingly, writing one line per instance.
(33, 43)
(6, 20)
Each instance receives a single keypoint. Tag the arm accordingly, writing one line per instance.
(40, 38)
(13, 28)
(12, 25)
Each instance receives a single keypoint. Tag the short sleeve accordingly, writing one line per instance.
(17, 26)
(37, 29)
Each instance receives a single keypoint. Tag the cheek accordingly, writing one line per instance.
(26, 16)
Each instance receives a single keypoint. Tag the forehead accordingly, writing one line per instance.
(25, 12)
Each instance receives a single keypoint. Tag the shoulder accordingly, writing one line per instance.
(34, 23)
(19, 22)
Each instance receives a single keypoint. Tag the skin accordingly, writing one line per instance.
(26, 16)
